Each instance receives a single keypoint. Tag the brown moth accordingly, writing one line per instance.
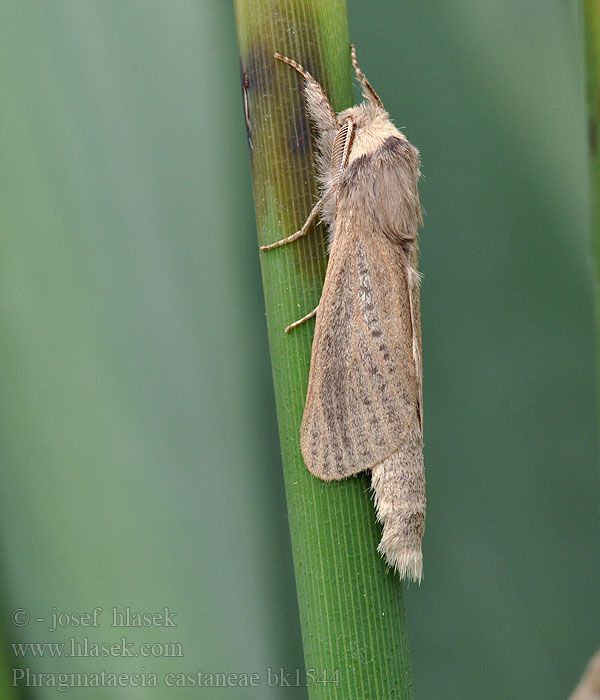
(364, 406)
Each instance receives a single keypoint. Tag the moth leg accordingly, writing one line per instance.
(305, 226)
(301, 320)
(342, 143)
(367, 89)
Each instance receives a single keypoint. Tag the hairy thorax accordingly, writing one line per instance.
(372, 127)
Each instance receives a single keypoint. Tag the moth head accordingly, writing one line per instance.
(371, 126)
(365, 115)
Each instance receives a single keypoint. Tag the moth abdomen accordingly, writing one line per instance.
(399, 494)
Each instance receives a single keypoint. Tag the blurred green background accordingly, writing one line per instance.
(138, 444)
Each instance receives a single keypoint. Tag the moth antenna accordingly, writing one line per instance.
(312, 87)
(367, 89)
(294, 64)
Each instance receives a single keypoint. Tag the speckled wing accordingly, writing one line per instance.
(362, 403)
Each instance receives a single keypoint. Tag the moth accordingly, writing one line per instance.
(364, 405)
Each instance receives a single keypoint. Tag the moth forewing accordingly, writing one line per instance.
(362, 390)
(364, 401)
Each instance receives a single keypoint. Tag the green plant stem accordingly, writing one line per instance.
(592, 42)
(592, 45)
(351, 608)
